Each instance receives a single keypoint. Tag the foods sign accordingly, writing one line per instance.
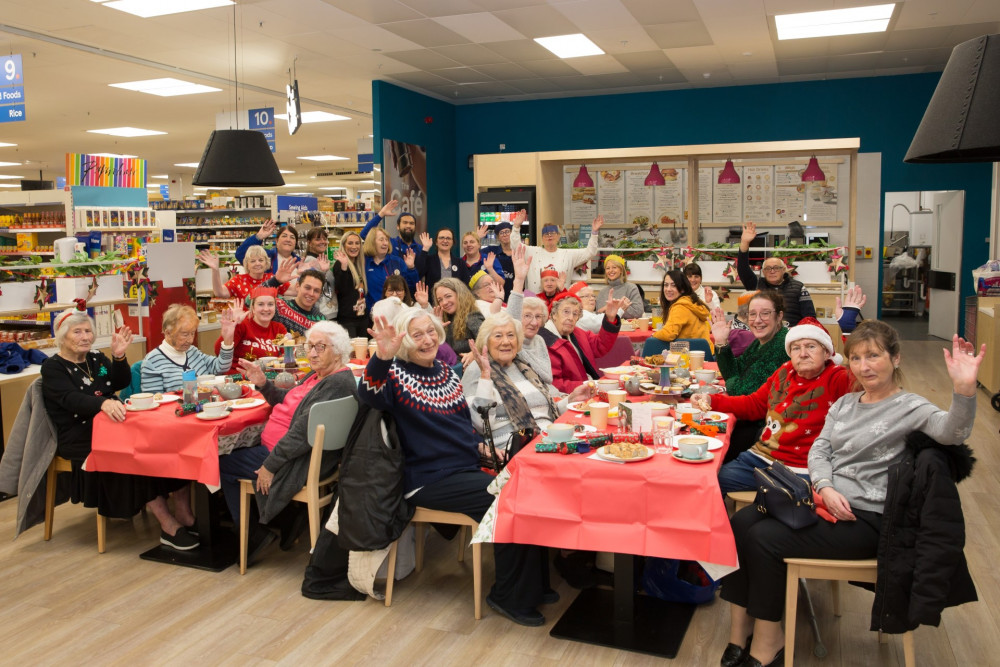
(11, 89)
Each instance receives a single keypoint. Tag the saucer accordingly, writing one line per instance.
(709, 456)
(211, 418)
(131, 408)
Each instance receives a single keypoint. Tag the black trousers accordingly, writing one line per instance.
(762, 544)
(521, 570)
(742, 437)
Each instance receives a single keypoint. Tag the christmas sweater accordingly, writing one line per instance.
(242, 284)
(432, 417)
(253, 341)
(794, 408)
(289, 315)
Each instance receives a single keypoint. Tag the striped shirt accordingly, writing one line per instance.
(161, 373)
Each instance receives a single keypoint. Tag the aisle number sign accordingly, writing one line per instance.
(11, 89)
(262, 120)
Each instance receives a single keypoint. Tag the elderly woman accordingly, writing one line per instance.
(534, 313)
(684, 314)
(240, 285)
(488, 292)
(441, 449)
(163, 368)
(284, 245)
(347, 275)
(572, 350)
(591, 318)
(79, 382)
(280, 461)
(380, 263)
(851, 464)
(524, 400)
(614, 272)
(456, 307)
(256, 336)
(794, 400)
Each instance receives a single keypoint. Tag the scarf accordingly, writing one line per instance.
(513, 400)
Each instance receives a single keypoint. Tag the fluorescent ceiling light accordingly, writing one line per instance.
(285, 171)
(161, 176)
(852, 21)
(7, 177)
(344, 189)
(193, 165)
(258, 192)
(320, 158)
(300, 194)
(314, 116)
(117, 155)
(9, 185)
(148, 8)
(126, 132)
(11, 164)
(166, 87)
(360, 191)
(295, 185)
(4, 144)
(570, 46)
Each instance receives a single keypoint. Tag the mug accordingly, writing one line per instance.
(607, 385)
(214, 408)
(703, 376)
(140, 401)
(559, 433)
(693, 447)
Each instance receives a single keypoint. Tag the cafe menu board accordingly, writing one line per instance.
(727, 198)
(821, 197)
(705, 194)
(789, 193)
(583, 205)
(611, 202)
(758, 193)
(668, 199)
(638, 199)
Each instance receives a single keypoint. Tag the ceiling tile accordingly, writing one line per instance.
(435, 8)
(679, 35)
(504, 71)
(539, 21)
(644, 60)
(519, 50)
(965, 32)
(659, 78)
(623, 40)
(374, 38)
(493, 89)
(916, 58)
(549, 68)
(423, 59)
(843, 45)
(596, 65)
(801, 48)
(590, 15)
(461, 75)
(422, 79)
(982, 11)
(470, 54)
(754, 70)
(376, 11)
(500, 5)
(531, 85)
(902, 40)
(914, 14)
(479, 28)
(804, 66)
(651, 12)
(425, 32)
(854, 62)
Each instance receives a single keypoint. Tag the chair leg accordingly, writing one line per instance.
(390, 576)
(909, 655)
(418, 533)
(50, 499)
(791, 609)
(835, 592)
(313, 507)
(102, 533)
(477, 578)
(244, 527)
(463, 539)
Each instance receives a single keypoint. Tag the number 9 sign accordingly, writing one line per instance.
(12, 74)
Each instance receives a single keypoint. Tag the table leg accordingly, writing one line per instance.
(623, 619)
(218, 548)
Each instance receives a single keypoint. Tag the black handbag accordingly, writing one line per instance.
(785, 496)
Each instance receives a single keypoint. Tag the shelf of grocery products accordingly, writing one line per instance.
(181, 225)
(5, 253)
(14, 230)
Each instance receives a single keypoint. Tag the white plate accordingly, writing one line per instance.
(211, 418)
(708, 457)
(610, 457)
(621, 370)
(245, 406)
(356, 367)
(169, 398)
(577, 407)
(131, 408)
(578, 428)
(713, 443)
(714, 416)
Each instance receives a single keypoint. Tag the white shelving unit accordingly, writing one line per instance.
(20, 212)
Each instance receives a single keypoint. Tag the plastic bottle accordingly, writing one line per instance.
(190, 379)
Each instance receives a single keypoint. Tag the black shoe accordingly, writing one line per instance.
(576, 569)
(779, 660)
(550, 597)
(259, 540)
(292, 529)
(529, 617)
(182, 540)
(735, 655)
(192, 531)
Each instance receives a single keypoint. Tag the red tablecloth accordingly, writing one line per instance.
(160, 444)
(658, 507)
(636, 336)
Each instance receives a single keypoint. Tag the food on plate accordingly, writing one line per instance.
(656, 360)
(157, 397)
(626, 450)
(641, 220)
(611, 176)
(243, 401)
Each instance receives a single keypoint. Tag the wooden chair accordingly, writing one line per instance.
(423, 516)
(58, 465)
(835, 571)
(741, 499)
(334, 416)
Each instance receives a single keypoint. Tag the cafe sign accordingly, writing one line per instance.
(108, 172)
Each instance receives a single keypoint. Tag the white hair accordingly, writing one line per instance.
(336, 336)
(70, 321)
(403, 322)
(389, 308)
(495, 320)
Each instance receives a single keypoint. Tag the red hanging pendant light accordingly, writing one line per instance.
(655, 177)
(813, 172)
(728, 175)
(583, 179)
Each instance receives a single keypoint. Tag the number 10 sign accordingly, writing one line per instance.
(11, 89)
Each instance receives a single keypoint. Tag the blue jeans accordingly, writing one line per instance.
(737, 475)
(240, 464)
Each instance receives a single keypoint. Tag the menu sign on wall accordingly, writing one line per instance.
(789, 193)
(705, 211)
(668, 199)
(758, 193)
(611, 203)
(821, 197)
(727, 198)
(11, 89)
(638, 199)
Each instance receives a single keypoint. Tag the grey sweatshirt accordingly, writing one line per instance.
(635, 309)
(860, 441)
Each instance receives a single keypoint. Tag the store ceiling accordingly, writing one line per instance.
(463, 51)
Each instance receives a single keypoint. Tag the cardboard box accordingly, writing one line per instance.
(27, 241)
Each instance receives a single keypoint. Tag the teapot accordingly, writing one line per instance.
(632, 385)
(230, 390)
(284, 380)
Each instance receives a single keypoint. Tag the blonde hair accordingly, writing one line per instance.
(254, 252)
(370, 249)
(474, 236)
(466, 305)
(356, 265)
(175, 313)
(495, 320)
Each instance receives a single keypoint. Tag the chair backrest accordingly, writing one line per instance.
(135, 386)
(700, 344)
(618, 355)
(337, 416)
(656, 346)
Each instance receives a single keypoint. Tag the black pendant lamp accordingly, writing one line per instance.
(238, 159)
(961, 121)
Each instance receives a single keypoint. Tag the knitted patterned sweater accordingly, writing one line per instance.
(432, 417)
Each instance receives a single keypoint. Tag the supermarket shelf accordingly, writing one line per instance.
(106, 230)
(251, 225)
(18, 254)
(15, 230)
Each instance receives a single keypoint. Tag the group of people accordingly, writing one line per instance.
(499, 325)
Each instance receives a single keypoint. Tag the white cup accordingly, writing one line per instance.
(607, 385)
(704, 376)
(693, 411)
(693, 447)
(559, 432)
(214, 408)
(140, 401)
(206, 380)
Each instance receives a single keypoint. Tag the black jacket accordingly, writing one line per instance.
(428, 265)
(798, 302)
(921, 564)
(372, 510)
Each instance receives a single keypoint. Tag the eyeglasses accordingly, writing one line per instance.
(395, 290)
(804, 347)
(762, 315)
(772, 269)
(319, 347)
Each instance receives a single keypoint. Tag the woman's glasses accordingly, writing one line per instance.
(319, 347)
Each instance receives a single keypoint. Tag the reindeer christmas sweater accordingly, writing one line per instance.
(794, 407)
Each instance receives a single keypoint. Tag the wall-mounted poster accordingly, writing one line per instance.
(705, 213)
(727, 198)
(611, 196)
(668, 199)
(638, 200)
(789, 193)
(821, 197)
(404, 168)
(758, 193)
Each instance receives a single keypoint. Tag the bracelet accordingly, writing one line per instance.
(121, 358)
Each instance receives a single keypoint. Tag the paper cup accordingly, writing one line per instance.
(360, 346)
(599, 415)
(697, 359)
(616, 396)
(643, 324)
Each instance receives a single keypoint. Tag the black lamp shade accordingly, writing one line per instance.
(238, 159)
(962, 121)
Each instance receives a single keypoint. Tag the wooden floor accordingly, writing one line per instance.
(61, 602)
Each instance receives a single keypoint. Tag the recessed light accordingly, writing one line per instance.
(9, 185)
(259, 192)
(160, 176)
(295, 185)
(570, 46)
(320, 158)
(4, 144)
(285, 171)
(328, 188)
(8, 177)
(149, 8)
(300, 194)
(166, 87)
(192, 165)
(314, 116)
(126, 132)
(360, 191)
(851, 21)
(116, 155)
(10, 164)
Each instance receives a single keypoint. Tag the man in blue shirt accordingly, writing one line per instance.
(406, 229)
